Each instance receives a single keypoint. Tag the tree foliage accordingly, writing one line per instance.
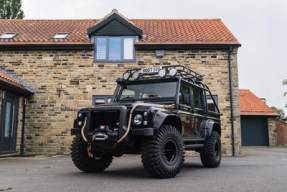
(263, 99)
(280, 112)
(11, 9)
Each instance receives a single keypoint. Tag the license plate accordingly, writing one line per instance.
(151, 70)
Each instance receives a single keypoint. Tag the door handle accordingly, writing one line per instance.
(12, 130)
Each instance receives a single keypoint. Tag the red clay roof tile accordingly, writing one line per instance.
(250, 104)
(7, 78)
(157, 31)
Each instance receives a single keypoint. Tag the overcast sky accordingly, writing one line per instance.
(259, 25)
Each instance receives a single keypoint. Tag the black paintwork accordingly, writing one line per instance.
(194, 124)
(113, 24)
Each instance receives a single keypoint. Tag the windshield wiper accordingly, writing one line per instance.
(128, 97)
(153, 96)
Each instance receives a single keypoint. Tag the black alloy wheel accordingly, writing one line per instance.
(170, 151)
(162, 154)
(211, 153)
(87, 161)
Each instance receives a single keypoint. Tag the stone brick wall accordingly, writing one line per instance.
(50, 114)
(272, 131)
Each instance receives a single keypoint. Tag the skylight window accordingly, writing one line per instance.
(61, 36)
(8, 35)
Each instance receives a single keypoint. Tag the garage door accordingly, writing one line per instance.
(254, 131)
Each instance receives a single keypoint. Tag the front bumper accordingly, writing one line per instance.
(136, 132)
(75, 131)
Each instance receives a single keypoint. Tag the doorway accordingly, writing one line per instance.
(9, 121)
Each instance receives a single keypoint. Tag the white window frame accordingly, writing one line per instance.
(107, 49)
(14, 34)
(55, 36)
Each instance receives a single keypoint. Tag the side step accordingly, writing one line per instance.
(193, 146)
(193, 139)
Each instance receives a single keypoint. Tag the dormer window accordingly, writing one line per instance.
(60, 36)
(114, 49)
(9, 35)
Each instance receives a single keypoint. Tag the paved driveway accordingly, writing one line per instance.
(261, 169)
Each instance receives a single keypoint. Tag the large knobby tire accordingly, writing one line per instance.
(86, 161)
(162, 154)
(211, 153)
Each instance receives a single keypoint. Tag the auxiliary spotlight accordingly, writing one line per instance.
(162, 72)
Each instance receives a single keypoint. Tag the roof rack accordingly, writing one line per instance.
(182, 71)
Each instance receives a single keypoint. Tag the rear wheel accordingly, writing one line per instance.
(162, 154)
(210, 154)
(87, 161)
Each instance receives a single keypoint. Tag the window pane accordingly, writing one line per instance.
(196, 99)
(114, 48)
(7, 119)
(101, 48)
(183, 90)
(128, 48)
(210, 105)
(99, 101)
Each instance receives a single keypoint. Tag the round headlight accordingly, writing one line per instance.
(172, 72)
(162, 72)
(80, 123)
(138, 119)
(126, 75)
(136, 75)
(80, 115)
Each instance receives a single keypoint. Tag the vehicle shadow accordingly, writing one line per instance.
(134, 172)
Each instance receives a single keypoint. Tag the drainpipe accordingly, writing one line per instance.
(231, 101)
(23, 128)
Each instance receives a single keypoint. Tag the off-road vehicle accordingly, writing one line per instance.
(157, 112)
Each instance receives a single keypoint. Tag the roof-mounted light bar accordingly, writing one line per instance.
(163, 72)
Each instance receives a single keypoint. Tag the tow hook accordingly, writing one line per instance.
(99, 136)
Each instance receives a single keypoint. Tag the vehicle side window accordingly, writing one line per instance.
(183, 90)
(197, 99)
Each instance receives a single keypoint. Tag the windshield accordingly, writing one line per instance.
(147, 91)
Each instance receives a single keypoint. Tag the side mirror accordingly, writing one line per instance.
(186, 98)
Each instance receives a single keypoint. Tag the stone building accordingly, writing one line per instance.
(70, 64)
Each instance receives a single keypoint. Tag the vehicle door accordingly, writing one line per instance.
(185, 111)
(199, 109)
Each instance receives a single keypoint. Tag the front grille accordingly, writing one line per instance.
(110, 118)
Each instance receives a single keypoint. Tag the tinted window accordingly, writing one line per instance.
(197, 99)
(148, 91)
(183, 90)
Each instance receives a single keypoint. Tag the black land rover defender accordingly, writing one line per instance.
(156, 112)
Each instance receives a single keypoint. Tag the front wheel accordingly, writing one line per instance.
(211, 153)
(162, 154)
(87, 161)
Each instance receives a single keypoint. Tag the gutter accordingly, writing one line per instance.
(46, 46)
(231, 100)
(15, 88)
(23, 127)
